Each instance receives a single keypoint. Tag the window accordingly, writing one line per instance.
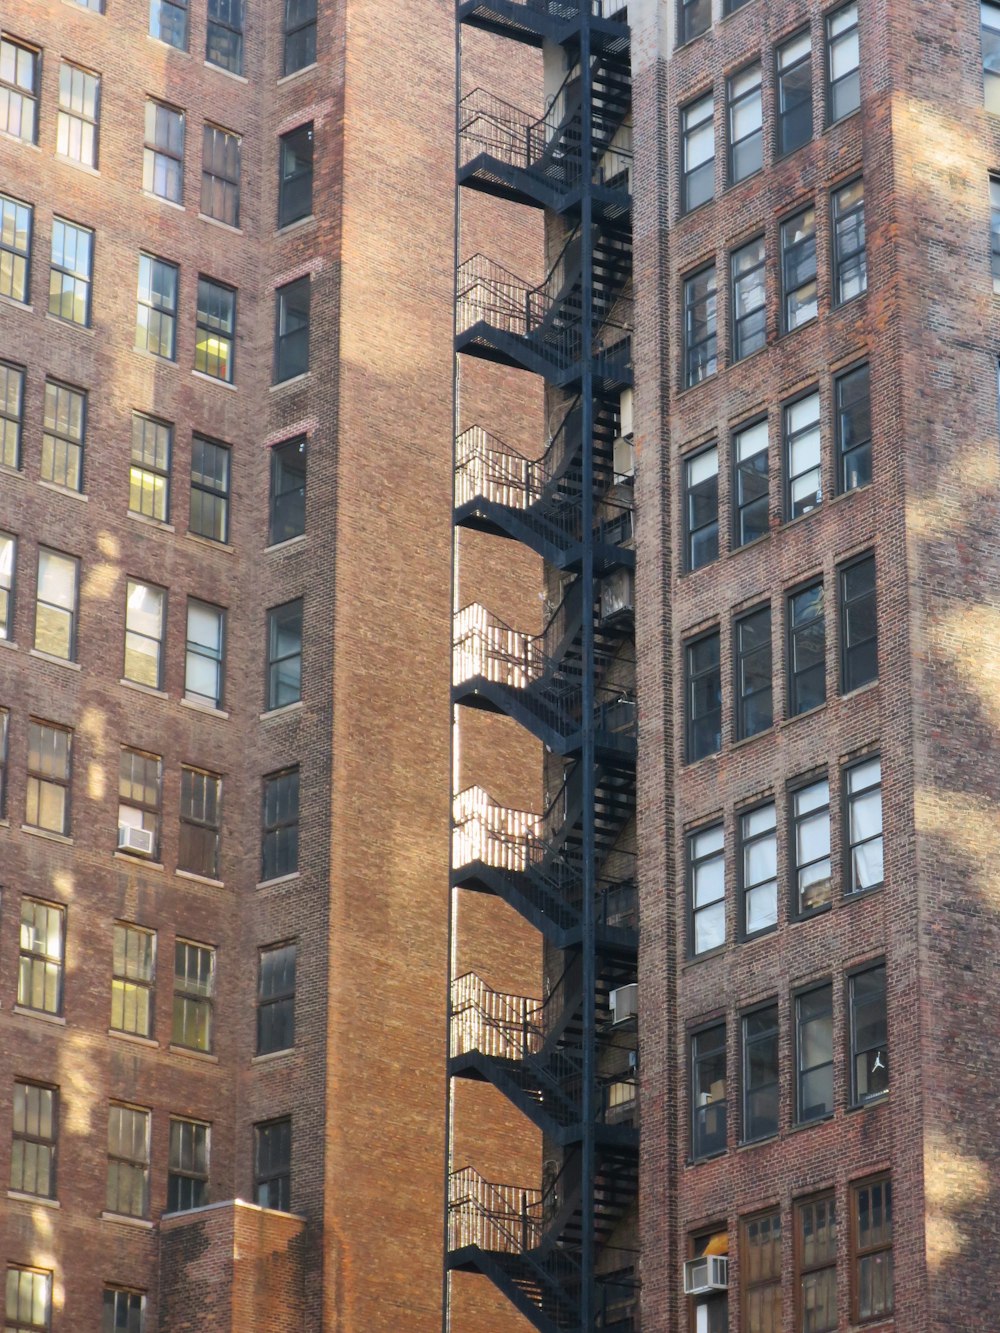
(707, 873)
(156, 313)
(168, 21)
(806, 650)
(871, 1250)
(272, 1165)
(701, 507)
(854, 428)
(810, 810)
(79, 108)
(754, 712)
(794, 94)
(761, 1271)
(850, 267)
(216, 330)
(209, 516)
(128, 1161)
(708, 1084)
(11, 414)
(55, 604)
(19, 80)
(220, 175)
(731, 6)
(15, 254)
(187, 1168)
(69, 279)
(750, 484)
(698, 133)
(700, 334)
(28, 1300)
(803, 462)
(42, 954)
(139, 788)
(760, 1075)
(287, 511)
(284, 654)
(816, 1265)
(863, 783)
(798, 269)
(163, 153)
(295, 175)
(201, 819)
(124, 1311)
(814, 1054)
(194, 988)
(144, 614)
(704, 697)
(224, 45)
(300, 35)
(49, 759)
(64, 427)
(749, 299)
(990, 31)
(4, 719)
(759, 868)
(276, 999)
(869, 1036)
(281, 824)
(710, 1313)
(695, 18)
(132, 973)
(149, 473)
(843, 94)
(858, 624)
(33, 1154)
(291, 335)
(203, 663)
(745, 122)
(8, 559)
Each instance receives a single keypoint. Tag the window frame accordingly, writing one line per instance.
(80, 279)
(696, 367)
(142, 465)
(197, 651)
(751, 1285)
(276, 659)
(690, 129)
(219, 496)
(39, 1143)
(858, 1253)
(691, 681)
(184, 1176)
(214, 324)
(845, 606)
(211, 832)
(53, 965)
(694, 862)
(132, 586)
(792, 708)
(842, 416)
(282, 999)
(59, 437)
(136, 1167)
(738, 505)
(165, 314)
(173, 8)
(685, 8)
(848, 797)
(67, 114)
(18, 93)
(11, 420)
(832, 40)
(4, 734)
(740, 655)
(784, 114)
(699, 1152)
(991, 77)
(217, 144)
(746, 840)
(856, 1051)
(127, 979)
(227, 25)
(291, 33)
(163, 148)
(194, 996)
(280, 1172)
(20, 263)
(150, 814)
(788, 249)
(796, 788)
(811, 992)
(272, 832)
(71, 613)
(802, 1271)
(733, 105)
(771, 1035)
(791, 437)
(842, 258)
(285, 361)
(693, 532)
(111, 1322)
(30, 1325)
(291, 183)
(738, 279)
(44, 777)
(279, 472)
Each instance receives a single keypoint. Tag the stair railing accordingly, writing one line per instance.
(492, 1022)
(500, 1218)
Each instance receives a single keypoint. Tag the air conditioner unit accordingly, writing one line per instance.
(617, 594)
(625, 411)
(624, 458)
(131, 839)
(624, 1002)
(707, 1274)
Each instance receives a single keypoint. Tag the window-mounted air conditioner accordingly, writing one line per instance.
(707, 1274)
(625, 411)
(617, 594)
(624, 1002)
(131, 839)
(623, 458)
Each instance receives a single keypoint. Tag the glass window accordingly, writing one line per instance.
(869, 1036)
(276, 999)
(816, 1264)
(750, 486)
(194, 989)
(55, 604)
(145, 606)
(754, 711)
(205, 653)
(990, 31)
(871, 1250)
(814, 1054)
(707, 871)
(28, 1300)
(8, 560)
(794, 94)
(156, 313)
(803, 461)
(701, 507)
(79, 108)
(761, 1269)
(163, 153)
(33, 1152)
(220, 175)
(300, 35)
(124, 1311)
(19, 82)
(708, 1086)
(47, 801)
(695, 17)
(759, 868)
(201, 818)
(284, 654)
(700, 330)
(128, 1161)
(140, 779)
(15, 254)
(187, 1166)
(798, 269)
(745, 123)
(132, 973)
(42, 956)
(11, 414)
(209, 516)
(64, 426)
(760, 1075)
(280, 852)
(854, 428)
(864, 825)
(224, 44)
(858, 625)
(850, 267)
(710, 1312)
(168, 20)
(70, 275)
(811, 846)
(149, 473)
(704, 697)
(287, 511)
(272, 1165)
(291, 335)
(806, 650)
(698, 134)
(749, 299)
(4, 720)
(295, 175)
(215, 335)
(843, 94)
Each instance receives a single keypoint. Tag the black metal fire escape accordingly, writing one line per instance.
(567, 1060)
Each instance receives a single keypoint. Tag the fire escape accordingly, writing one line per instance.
(561, 1247)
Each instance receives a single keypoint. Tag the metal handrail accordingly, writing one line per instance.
(492, 1022)
(500, 1218)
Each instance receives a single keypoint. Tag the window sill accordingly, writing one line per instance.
(134, 860)
(297, 74)
(872, 1102)
(147, 355)
(214, 379)
(88, 329)
(749, 740)
(284, 711)
(217, 222)
(858, 690)
(48, 834)
(16, 138)
(18, 305)
(169, 46)
(709, 1157)
(84, 9)
(806, 324)
(57, 661)
(64, 490)
(802, 918)
(200, 879)
(208, 709)
(801, 1125)
(693, 960)
(79, 166)
(289, 541)
(144, 519)
(239, 78)
(143, 1223)
(204, 1056)
(852, 896)
(279, 879)
(13, 471)
(285, 384)
(21, 1197)
(148, 690)
(809, 712)
(8, 643)
(134, 1039)
(56, 1020)
(210, 542)
(162, 199)
(272, 1056)
(297, 225)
